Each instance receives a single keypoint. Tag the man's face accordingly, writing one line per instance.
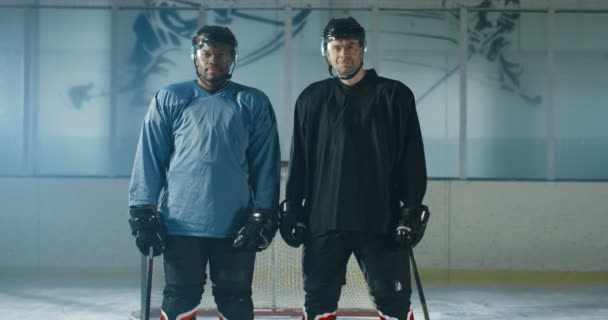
(345, 55)
(213, 64)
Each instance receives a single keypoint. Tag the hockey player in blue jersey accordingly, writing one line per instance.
(205, 182)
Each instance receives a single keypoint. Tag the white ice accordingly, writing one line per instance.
(85, 299)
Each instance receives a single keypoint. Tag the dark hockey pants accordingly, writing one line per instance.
(230, 270)
(384, 266)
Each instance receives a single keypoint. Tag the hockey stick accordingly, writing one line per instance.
(146, 302)
(425, 310)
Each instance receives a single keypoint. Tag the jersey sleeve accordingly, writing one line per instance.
(296, 173)
(264, 157)
(411, 172)
(152, 156)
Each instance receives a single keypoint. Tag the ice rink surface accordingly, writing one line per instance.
(84, 299)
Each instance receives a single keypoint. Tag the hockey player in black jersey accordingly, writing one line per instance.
(356, 180)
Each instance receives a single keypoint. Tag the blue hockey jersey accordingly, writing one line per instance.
(213, 156)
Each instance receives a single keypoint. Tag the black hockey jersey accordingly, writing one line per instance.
(356, 152)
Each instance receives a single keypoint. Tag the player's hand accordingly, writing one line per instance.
(258, 232)
(411, 226)
(146, 227)
(292, 227)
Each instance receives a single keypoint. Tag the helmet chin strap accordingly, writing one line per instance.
(198, 75)
(352, 75)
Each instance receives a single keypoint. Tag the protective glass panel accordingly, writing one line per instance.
(12, 55)
(581, 96)
(420, 49)
(72, 91)
(506, 95)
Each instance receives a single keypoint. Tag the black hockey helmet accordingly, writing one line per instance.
(342, 28)
(214, 36)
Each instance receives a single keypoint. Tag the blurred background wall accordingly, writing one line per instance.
(512, 98)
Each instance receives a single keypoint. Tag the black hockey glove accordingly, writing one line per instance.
(411, 225)
(292, 226)
(258, 232)
(147, 229)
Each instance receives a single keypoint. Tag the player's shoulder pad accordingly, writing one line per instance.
(394, 85)
(177, 94)
(396, 88)
(315, 90)
(313, 95)
(250, 96)
(317, 86)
